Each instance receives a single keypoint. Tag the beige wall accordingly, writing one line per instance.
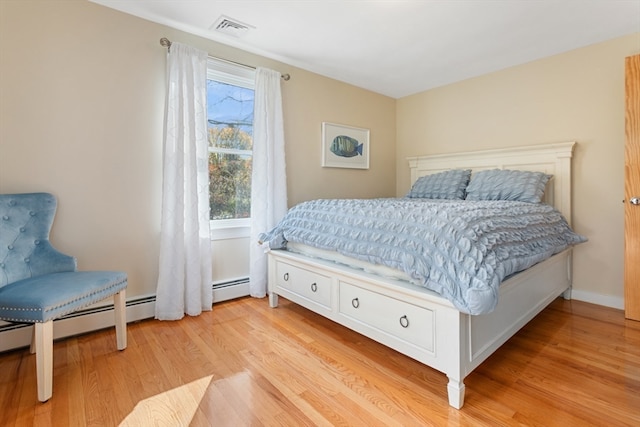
(81, 110)
(575, 96)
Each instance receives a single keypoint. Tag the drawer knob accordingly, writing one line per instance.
(404, 321)
(286, 277)
(355, 303)
(314, 287)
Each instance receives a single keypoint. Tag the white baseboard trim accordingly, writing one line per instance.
(599, 299)
(96, 317)
(225, 293)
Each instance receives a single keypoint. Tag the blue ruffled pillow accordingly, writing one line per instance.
(449, 184)
(504, 184)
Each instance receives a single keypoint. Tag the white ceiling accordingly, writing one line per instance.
(399, 47)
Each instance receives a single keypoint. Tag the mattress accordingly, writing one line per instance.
(327, 255)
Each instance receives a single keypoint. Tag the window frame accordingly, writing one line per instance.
(243, 76)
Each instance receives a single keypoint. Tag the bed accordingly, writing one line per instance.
(419, 322)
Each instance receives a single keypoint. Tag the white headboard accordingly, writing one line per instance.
(553, 159)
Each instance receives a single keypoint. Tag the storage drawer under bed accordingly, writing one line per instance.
(402, 320)
(312, 286)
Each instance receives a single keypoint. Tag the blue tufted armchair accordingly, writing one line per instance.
(39, 284)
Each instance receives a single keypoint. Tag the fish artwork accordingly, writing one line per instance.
(345, 146)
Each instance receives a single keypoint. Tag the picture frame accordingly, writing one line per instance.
(344, 146)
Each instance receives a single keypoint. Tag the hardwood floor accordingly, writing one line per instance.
(244, 363)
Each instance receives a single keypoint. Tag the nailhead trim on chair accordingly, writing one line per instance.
(62, 305)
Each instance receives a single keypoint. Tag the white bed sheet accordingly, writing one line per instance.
(327, 255)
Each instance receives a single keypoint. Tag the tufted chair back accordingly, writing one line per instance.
(25, 250)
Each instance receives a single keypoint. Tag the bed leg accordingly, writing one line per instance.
(455, 390)
(273, 300)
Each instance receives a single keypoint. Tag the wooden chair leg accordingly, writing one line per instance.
(44, 359)
(119, 304)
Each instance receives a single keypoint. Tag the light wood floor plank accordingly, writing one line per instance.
(246, 364)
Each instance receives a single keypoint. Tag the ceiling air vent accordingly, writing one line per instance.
(231, 27)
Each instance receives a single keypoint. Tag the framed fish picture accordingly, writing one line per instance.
(344, 146)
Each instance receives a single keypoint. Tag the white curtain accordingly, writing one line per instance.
(268, 179)
(184, 281)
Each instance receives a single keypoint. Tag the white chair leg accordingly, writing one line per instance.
(119, 305)
(32, 347)
(44, 359)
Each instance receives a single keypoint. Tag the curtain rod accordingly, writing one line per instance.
(167, 43)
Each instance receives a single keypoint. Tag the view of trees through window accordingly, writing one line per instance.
(230, 126)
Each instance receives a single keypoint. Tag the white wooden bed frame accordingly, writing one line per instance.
(417, 322)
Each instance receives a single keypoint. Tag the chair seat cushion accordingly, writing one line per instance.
(46, 297)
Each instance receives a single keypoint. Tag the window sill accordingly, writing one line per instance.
(232, 229)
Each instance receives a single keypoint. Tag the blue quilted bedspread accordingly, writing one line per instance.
(459, 249)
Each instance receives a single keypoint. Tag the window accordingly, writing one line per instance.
(230, 98)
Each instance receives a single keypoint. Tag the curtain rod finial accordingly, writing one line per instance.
(165, 42)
